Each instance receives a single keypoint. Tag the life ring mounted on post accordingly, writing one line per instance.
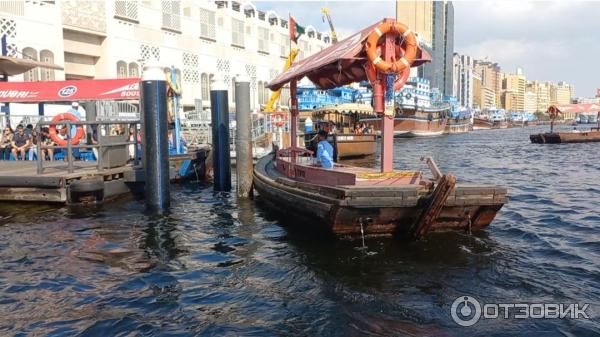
(409, 44)
(279, 119)
(65, 116)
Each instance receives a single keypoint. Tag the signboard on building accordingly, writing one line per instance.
(67, 91)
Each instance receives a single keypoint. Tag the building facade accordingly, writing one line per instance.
(202, 40)
(531, 102)
(516, 84)
(433, 21)
(491, 78)
(561, 93)
(462, 87)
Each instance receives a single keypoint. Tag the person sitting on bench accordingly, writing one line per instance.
(324, 150)
(20, 143)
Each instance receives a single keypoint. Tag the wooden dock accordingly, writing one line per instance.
(19, 181)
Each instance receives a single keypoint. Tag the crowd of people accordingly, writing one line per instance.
(21, 143)
(358, 129)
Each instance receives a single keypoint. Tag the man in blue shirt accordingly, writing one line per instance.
(324, 150)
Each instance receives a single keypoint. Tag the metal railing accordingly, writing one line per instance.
(101, 133)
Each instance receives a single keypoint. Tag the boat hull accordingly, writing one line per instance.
(347, 145)
(353, 146)
(565, 137)
(411, 127)
(457, 127)
(389, 210)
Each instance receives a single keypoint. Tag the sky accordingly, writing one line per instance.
(551, 40)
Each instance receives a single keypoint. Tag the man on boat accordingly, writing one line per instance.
(324, 150)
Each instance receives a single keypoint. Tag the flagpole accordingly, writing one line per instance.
(294, 98)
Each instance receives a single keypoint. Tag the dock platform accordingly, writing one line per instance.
(19, 181)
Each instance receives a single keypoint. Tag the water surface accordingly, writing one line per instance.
(216, 266)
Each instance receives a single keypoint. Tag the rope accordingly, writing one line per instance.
(389, 90)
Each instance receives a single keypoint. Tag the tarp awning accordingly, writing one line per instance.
(73, 90)
(14, 66)
(339, 64)
(577, 108)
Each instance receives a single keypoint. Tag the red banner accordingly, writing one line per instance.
(67, 91)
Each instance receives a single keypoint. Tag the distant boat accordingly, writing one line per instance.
(411, 121)
(310, 98)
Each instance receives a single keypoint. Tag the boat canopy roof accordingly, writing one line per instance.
(345, 109)
(576, 108)
(340, 64)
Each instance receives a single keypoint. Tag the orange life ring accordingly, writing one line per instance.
(409, 44)
(59, 118)
(279, 119)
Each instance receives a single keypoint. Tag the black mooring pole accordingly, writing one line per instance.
(155, 144)
(219, 108)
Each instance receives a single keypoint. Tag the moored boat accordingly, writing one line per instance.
(347, 200)
(352, 200)
(575, 136)
(411, 121)
(346, 143)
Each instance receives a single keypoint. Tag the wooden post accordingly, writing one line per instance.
(436, 202)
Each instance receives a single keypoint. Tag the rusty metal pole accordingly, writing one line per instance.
(387, 136)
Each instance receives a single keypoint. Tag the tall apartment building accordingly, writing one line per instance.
(114, 39)
(531, 101)
(560, 93)
(483, 97)
(516, 84)
(433, 21)
(491, 77)
(542, 94)
(462, 87)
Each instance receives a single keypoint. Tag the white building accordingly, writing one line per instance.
(113, 39)
(462, 87)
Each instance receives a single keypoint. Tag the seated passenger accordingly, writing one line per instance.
(20, 143)
(324, 150)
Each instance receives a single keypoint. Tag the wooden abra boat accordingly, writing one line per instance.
(352, 200)
(566, 137)
(397, 203)
(346, 143)
(412, 122)
(574, 136)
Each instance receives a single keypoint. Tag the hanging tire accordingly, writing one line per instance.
(86, 190)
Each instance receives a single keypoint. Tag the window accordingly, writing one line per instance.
(285, 42)
(134, 70)
(260, 93)
(237, 32)
(233, 89)
(207, 24)
(31, 75)
(263, 40)
(121, 69)
(204, 86)
(47, 57)
(266, 92)
(171, 17)
(126, 10)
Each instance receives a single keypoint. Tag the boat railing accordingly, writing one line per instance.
(95, 138)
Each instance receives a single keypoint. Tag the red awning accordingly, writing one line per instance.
(74, 90)
(578, 108)
(339, 64)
